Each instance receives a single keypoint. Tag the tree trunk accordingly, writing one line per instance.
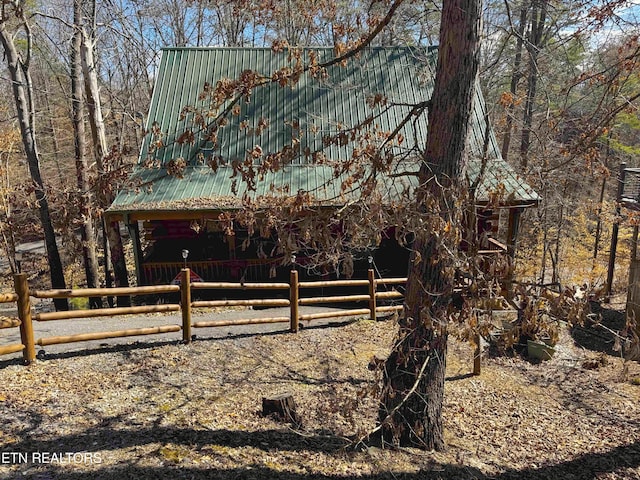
(603, 189)
(413, 389)
(534, 45)
(51, 131)
(87, 233)
(283, 408)
(6, 230)
(516, 75)
(96, 121)
(23, 97)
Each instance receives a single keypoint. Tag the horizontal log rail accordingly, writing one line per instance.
(391, 281)
(8, 322)
(239, 286)
(390, 294)
(185, 287)
(335, 299)
(242, 321)
(106, 312)
(489, 253)
(13, 348)
(83, 337)
(241, 303)
(105, 292)
(334, 283)
(341, 313)
(8, 297)
(390, 308)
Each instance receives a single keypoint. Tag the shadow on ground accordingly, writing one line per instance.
(599, 333)
(588, 466)
(149, 343)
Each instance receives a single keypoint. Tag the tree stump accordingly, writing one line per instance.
(281, 407)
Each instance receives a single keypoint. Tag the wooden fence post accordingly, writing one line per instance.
(477, 356)
(372, 294)
(293, 301)
(24, 314)
(185, 304)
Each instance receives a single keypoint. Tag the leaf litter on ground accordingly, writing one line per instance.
(194, 410)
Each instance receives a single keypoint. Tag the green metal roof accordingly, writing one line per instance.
(310, 110)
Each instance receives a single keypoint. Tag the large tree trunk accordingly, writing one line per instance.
(411, 406)
(23, 97)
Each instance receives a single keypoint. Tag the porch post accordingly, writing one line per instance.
(134, 233)
(512, 230)
(512, 240)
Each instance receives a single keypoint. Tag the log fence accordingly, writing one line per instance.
(22, 297)
(23, 322)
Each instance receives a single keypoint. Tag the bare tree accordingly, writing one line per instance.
(101, 150)
(535, 43)
(516, 74)
(87, 233)
(22, 86)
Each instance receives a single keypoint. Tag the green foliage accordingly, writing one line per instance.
(625, 137)
(79, 303)
(631, 150)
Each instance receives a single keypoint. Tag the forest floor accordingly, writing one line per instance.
(169, 410)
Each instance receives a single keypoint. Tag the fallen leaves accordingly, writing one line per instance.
(197, 408)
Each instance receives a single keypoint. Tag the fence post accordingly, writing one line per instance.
(185, 304)
(293, 301)
(372, 294)
(477, 356)
(24, 314)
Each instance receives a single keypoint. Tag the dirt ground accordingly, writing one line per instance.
(168, 410)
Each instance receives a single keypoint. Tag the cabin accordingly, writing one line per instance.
(175, 218)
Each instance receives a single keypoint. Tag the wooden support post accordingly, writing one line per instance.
(134, 233)
(185, 304)
(512, 240)
(372, 294)
(24, 314)
(294, 293)
(512, 230)
(477, 356)
(614, 231)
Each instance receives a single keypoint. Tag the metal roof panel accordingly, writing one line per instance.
(321, 107)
